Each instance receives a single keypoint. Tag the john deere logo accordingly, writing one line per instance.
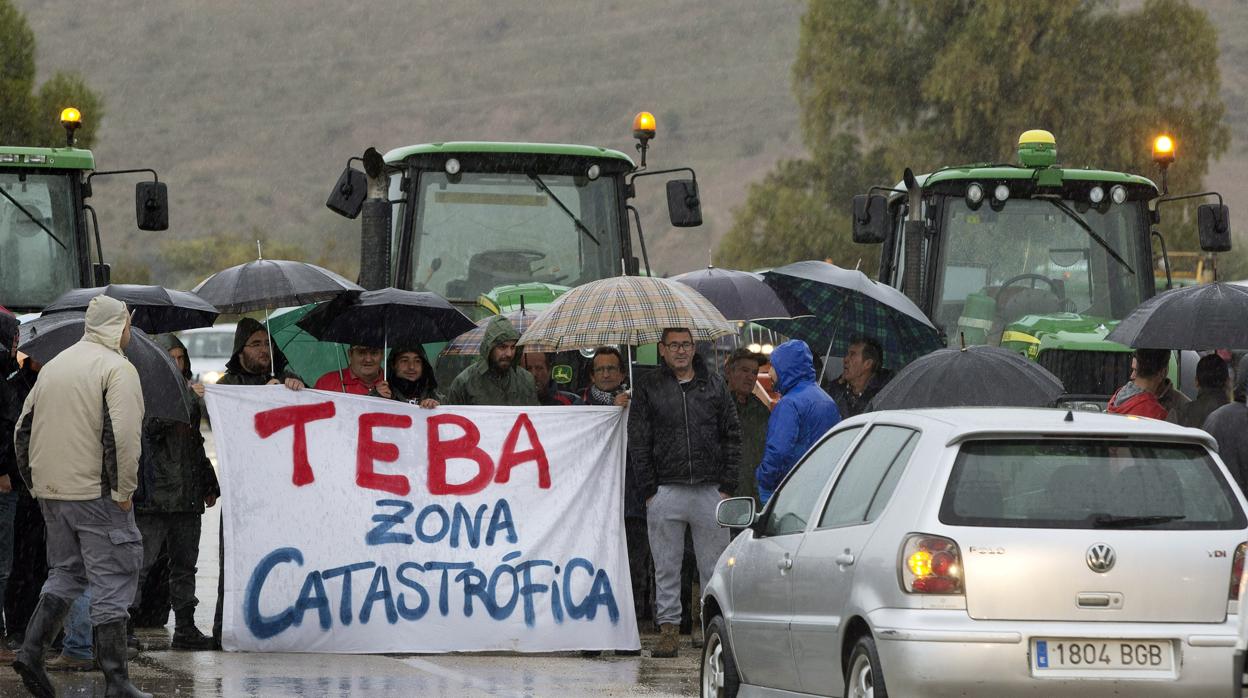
(562, 374)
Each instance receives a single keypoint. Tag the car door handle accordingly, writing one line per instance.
(786, 563)
(844, 559)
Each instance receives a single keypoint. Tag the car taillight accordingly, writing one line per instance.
(1237, 570)
(931, 565)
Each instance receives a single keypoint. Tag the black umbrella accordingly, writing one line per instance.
(156, 309)
(386, 317)
(165, 393)
(739, 295)
(977, 376)
(271, 283)
(1210, 316)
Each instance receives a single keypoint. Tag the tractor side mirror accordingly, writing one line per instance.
(151, 204)
(347, 198)
(870, 219)
(1214, 223)
(683, 206)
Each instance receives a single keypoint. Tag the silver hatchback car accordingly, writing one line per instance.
(989, 552)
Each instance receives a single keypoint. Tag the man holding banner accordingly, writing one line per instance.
(684, 444)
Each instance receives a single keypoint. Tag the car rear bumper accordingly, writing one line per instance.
(946, 653)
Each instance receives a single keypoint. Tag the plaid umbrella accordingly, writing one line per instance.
(624, 310)
(844, 304)
(469, 343)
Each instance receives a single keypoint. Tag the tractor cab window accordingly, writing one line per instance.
(1032, 257)
(37, 239)
(476, 231)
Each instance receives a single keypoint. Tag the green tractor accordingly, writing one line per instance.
(1033, 257)
(489, 221)
(47, 228)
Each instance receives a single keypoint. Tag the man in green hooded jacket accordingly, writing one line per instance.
(496, 378)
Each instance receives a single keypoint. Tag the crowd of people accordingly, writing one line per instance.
(93, 492)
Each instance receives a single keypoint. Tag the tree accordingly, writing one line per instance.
(943, 82)
(30, 118)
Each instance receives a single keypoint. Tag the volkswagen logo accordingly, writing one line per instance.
(1101, 558)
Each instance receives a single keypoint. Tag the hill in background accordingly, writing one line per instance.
(250, 110)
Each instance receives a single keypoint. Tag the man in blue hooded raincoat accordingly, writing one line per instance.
(803, 414)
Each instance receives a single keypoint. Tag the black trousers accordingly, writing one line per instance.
(179, 533)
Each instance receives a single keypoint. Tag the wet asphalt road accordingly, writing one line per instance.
(565, 675)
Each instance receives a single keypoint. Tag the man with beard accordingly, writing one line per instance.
(496, 378)
(411, 378)
(251, 363)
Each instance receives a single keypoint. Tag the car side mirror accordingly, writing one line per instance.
(870, 219)
(347, 198)
(151, 205)
(684, 208)
(1214, 223)
(737, 512)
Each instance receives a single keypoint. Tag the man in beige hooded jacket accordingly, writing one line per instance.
(78, 441)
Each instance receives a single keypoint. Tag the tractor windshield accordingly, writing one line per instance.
(1035, 257)
(37, 239)
(476, 231)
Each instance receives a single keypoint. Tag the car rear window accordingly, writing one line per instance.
(209, 344)
(1085, 483)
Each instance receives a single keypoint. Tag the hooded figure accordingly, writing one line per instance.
(490, 380)
(804, 413)
(1226, 426)
(175, 473)
(78, 442)
(237, 374)
(403, 390)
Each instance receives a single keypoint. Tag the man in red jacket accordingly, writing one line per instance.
(1139, 397)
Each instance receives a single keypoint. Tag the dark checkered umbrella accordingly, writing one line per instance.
(843, 304)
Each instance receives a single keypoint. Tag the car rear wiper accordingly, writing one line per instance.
(1110, 521)
(1061, 206)
(575, 221)
(31, 216)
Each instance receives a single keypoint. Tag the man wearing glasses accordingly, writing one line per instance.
(607, 387)
(684, 446)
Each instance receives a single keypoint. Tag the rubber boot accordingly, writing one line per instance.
(44, 624)
(110, 653)
(669, 642)
(186, 636)
(132, 640)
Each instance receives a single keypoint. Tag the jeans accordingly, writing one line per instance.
(78, 629)
(8, 509)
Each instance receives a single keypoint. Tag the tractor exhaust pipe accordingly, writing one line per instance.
(912, 272)
(375, 227)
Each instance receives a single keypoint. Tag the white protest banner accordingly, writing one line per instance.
(356, 524)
